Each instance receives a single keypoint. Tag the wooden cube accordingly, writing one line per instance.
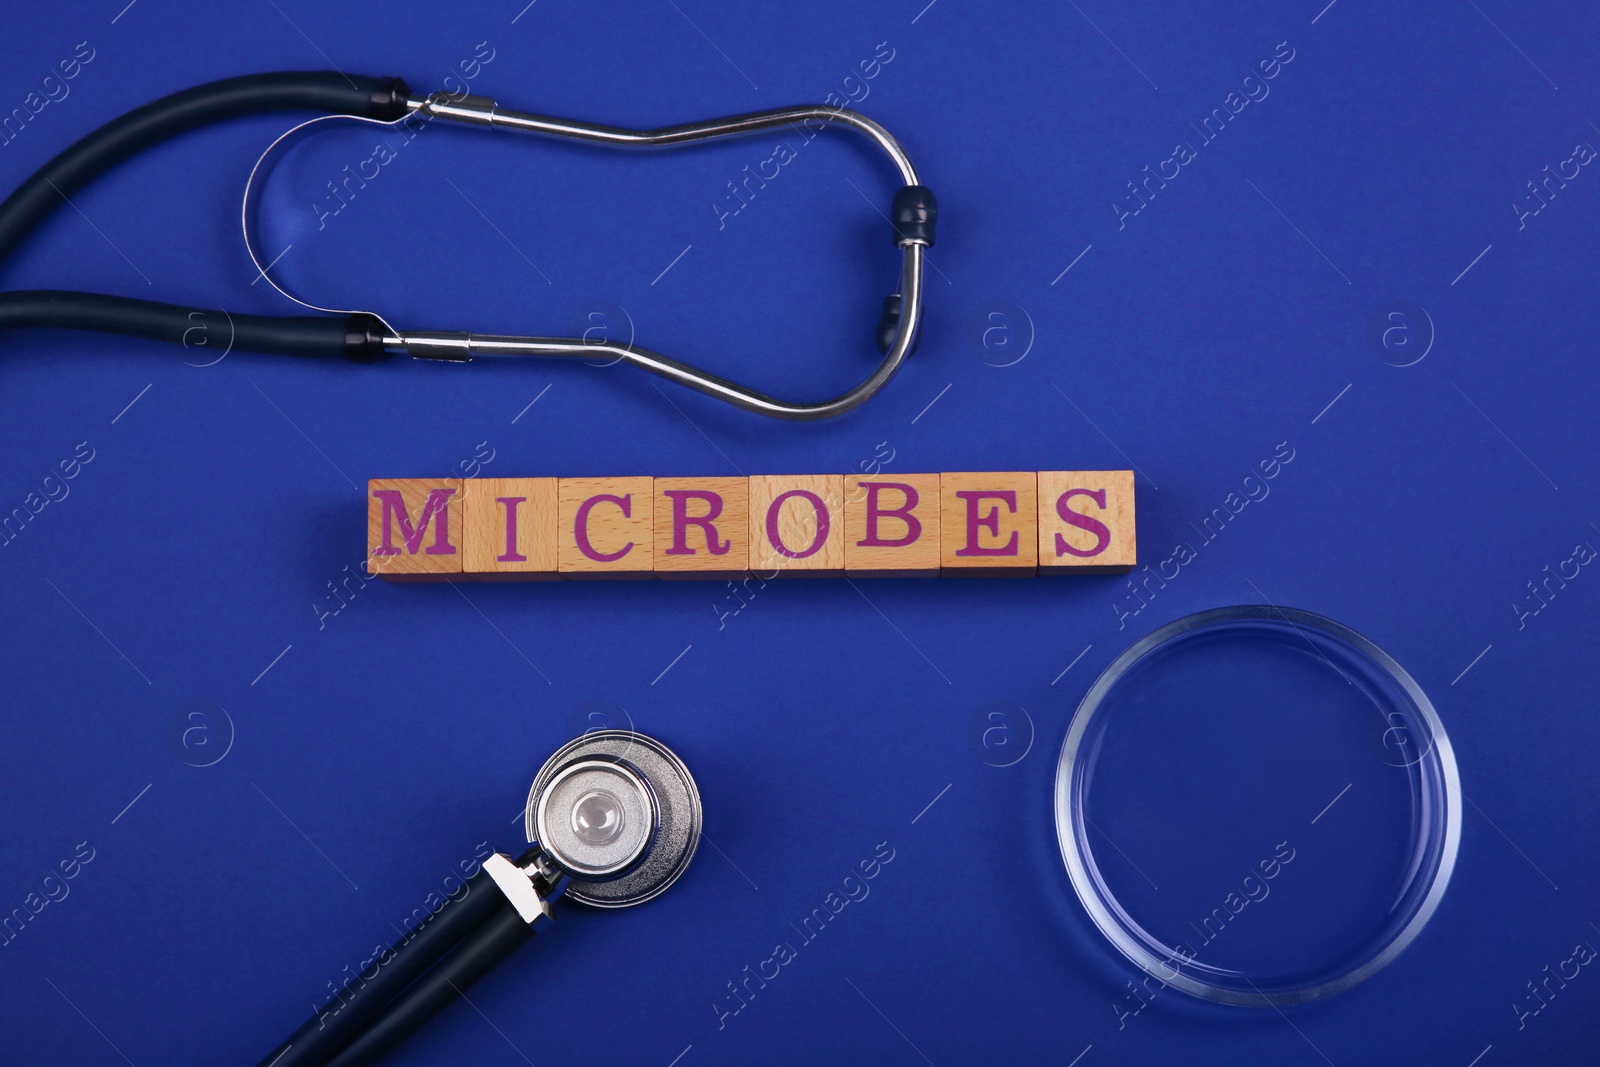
(1086, 522)
(891, 526)
(797, 524)
(605, 528)
(701, 527)
(414, 528)
(988, 523)
(510, 528)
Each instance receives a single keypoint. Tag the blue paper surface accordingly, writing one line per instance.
(254, 780)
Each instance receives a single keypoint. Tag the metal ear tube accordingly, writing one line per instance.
(613, 818)
(913, 217)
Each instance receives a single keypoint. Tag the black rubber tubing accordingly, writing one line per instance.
(480, 953)
(329, 1031)
(218, 101)
(208, 333)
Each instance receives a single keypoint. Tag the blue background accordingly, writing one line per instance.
(368, 751)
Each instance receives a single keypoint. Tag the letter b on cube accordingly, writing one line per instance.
(891, 526)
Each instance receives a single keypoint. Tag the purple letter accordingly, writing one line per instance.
(580, 526)
(437, 508)
(913, 526)
(511, 554)
(776, 538)
(990, 522)
(1102, 535)
(681, 521)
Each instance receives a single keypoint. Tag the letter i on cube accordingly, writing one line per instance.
(511, 528)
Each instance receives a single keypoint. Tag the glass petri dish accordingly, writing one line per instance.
(1257, 806)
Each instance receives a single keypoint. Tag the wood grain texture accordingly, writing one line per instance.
(1086, 522)
(414, 527)
(605, 528)
(980, 523)
(701, 527)
(988, 523)
(891, 526)
(806, 513)
(493, 509)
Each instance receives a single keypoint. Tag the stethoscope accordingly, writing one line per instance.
(363, 336)
(614, 818)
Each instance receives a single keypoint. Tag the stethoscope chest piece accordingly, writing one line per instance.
(613, 818)
(619, 814)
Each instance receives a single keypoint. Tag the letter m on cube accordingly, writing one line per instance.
(414, 528)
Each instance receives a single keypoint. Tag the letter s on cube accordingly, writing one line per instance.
(1086, 522)
(604, 527)
(414, 528)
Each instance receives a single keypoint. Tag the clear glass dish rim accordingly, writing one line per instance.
(1070, 835)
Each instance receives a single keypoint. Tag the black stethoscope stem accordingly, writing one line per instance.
(618, 816)
(481, 952)
(251, 94)
(355, 1007)
(356, 338)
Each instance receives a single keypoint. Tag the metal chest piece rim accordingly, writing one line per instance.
(676, 815)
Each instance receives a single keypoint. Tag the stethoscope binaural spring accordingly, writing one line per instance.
(363, 336)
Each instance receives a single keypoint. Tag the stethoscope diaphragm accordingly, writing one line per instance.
(619, 813)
